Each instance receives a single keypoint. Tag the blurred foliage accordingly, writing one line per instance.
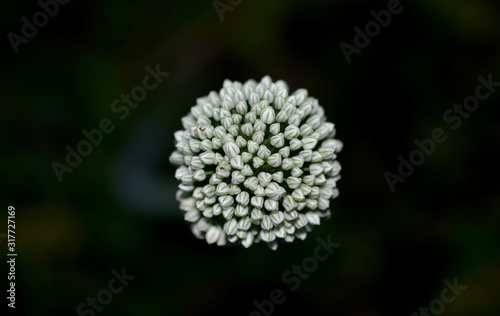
(396, 248)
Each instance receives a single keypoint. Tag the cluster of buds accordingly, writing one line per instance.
(255, 164)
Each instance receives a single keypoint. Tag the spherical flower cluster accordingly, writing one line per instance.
(255, 164)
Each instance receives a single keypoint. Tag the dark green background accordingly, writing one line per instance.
(117, 208)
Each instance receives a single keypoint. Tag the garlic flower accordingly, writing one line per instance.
(255, 164)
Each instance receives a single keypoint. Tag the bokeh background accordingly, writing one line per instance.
(117, 208)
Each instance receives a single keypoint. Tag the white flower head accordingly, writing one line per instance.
(256, 163)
